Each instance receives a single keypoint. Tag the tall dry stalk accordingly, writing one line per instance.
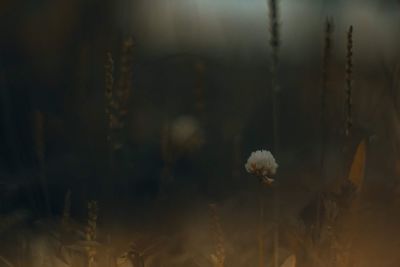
(111, 118)
(261, 229)
(218, 257)
(39, 137)
(117, 93)
(199, 89)
(275, 44)
(91, 233)
(237, 156)
(168, 158)
(67, 211)
(125, 78)
(349, 81)
(326, 62)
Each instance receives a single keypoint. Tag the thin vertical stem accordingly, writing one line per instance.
(168, 158)
(261, 241)
(276, 222)
(274, 43)
(326, 61)
(109, 109)
(199, 89)
(91, 232)
(219, 253)
(117, 93)
(39, 119)
(67, 210)
(349, 81)
(237, 159)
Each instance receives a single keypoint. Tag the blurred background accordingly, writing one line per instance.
(194, 101)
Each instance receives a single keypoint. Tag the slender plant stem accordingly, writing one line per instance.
(349, 81)
(261, 241)
(274, 44)
(327, 52)
(40, 154)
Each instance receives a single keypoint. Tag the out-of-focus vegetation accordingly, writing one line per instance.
(125, 127)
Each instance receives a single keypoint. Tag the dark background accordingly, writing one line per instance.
(52, 56)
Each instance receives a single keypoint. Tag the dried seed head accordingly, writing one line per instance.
(349, 81)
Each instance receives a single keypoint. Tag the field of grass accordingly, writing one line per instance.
(115, 152)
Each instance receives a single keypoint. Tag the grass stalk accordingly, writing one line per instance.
(349, 81)
(326, 62)
(109, 85)
(67, 210)
(91, 232)
(218, 257)
(261, 232)
(275, 45)
(199, 89)
(40, 147)
(117, 94)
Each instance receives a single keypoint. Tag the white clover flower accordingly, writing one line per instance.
(186, 133)
(261, 163)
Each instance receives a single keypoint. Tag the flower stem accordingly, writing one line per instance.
(261, 248)
(275, 45)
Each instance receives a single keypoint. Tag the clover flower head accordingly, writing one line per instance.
(262, 164)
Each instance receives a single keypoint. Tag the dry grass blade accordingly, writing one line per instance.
(6, 262)
(290, 262)
(351, 220)
(357, 169)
